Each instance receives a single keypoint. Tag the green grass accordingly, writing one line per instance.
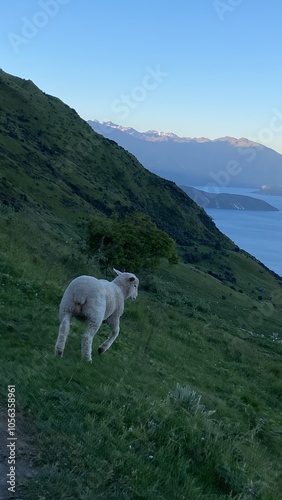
(187, 403)
(69, 172)
(112, 429)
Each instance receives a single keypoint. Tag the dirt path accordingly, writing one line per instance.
(23, 460)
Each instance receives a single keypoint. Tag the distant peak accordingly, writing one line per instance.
(160, 136)
(241, 142)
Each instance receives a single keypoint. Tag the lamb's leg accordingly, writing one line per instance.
(87, 340)
(114, 324)
(63, 335)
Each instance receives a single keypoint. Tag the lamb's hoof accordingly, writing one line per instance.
(100, 350)
(86, 358)
(59, 353)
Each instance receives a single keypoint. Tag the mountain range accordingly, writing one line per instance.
(223, 162)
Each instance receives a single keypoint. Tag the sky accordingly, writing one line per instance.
(197, 68)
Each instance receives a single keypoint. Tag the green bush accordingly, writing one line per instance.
(134, 243)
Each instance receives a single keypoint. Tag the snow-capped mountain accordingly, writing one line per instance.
(223, 162)
(155, 135)
(150, 135)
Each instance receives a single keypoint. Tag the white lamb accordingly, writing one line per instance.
(95, 301)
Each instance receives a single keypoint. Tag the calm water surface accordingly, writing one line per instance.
(259, 233)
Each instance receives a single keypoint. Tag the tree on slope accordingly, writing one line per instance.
(132, 243)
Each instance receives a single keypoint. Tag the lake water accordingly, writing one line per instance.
(259, 233)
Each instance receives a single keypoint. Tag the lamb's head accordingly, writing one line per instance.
(129, 283)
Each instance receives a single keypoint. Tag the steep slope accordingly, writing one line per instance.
(187, 402)
(195, 162)
(52, 161)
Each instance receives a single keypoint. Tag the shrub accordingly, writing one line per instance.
(190, 399)
(132, 243)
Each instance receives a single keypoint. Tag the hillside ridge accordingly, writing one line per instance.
(53, 161)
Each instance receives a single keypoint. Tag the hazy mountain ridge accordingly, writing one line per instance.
(221, 162)
(155, 135)
(270, 190)
(227, 201)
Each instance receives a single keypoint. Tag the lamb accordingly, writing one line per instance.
(88, 298)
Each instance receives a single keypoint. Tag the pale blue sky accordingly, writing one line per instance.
(193, 67)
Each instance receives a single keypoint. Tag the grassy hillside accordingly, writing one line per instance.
(66, 170)
(187, 402)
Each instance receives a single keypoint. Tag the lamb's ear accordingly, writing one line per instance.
(131, 278)
(117, 272)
